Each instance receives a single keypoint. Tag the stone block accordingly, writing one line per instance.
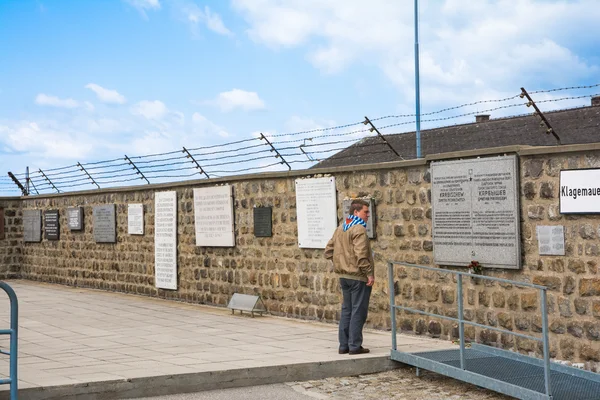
(522, 323)
(587, 231)
(399, 196)
(529, 301)
(434, 328)
(575, 329)
(406, 213)
(484, 299)
(535, 212)
(589, 287)
(564, 306)
(529, 190)
(581, 306)
(448, 296)
(418, 213)
(576, 265)
(569, 285)
(533, 168)
(567, 348)
(498, 300)
(547, 190)
(589, 353)
(595, 308)
(411, 197)
(554, 212)
(399, 230)
(552, 282)
(558, 327)
(505, 320)
(592, 330)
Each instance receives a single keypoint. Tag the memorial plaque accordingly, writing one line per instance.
(165, 240)
(263, 221)
(580, 191)
(2, 223)
(75, 218)
(32, 225)
(370, 222)
(213, 216)
(316, 209)
(105, 227)
(476, 212)
(51, 225)
(135, 219)
(551, 240)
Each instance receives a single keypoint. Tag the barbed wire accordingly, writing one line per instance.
(190, 163)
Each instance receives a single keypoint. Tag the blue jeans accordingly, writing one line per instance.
(355, 308)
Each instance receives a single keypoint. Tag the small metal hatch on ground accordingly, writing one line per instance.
(247, 302)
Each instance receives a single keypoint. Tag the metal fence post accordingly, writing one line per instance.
(546, 343)
(461, 324)
(392, 302)
(13, 331)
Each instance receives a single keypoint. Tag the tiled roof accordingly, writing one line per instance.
(574, 126)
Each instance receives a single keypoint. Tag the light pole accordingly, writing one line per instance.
(417, 89)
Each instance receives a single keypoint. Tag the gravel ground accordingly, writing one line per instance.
(400, 384)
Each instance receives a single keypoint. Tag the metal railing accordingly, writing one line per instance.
(461, 321)
(13, 332)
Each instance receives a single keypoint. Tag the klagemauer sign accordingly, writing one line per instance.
(580, 191)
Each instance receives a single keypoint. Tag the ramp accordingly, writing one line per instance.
(499, 370)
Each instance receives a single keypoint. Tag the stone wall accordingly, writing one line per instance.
(300, 283)
(10, 237)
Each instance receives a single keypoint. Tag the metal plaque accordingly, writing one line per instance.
(475, 206)
(32, 225)
(2, 223)
(51, 225)
(105, 227)
(316, 210)
(263, 221)
(370, 222)
(75, 218)
(551, 240)
(165, 240)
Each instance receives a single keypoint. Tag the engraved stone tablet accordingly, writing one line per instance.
(370, 222)
(51, 225)
(2, 223)
(476, 212)
(263, 222)
(551, 240)
(213, 216)
(165, 240)
(32, 225)
(75, 218)
(135, 219)
(316, 209)
(105, 227)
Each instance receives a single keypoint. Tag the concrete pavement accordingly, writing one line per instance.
(83, 343)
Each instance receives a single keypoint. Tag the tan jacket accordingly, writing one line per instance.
(350, 252)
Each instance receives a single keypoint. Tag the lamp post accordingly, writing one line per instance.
(417, 89)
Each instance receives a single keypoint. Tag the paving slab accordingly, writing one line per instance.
(85, 343)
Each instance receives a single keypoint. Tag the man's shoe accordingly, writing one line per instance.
(340, 351)
(362, 350)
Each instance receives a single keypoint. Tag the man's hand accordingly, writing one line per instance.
(370, 280)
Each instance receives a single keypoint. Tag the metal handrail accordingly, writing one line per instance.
(13, 332)
(461, 321)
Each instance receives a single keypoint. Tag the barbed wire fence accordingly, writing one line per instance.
(266, 152)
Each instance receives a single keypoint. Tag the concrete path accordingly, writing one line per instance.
(76, 341)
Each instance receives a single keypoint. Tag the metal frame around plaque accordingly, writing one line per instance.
(56, 236)
(267, 214)
(32, 219)
(79, 211)
(106, 237)
(246, 302)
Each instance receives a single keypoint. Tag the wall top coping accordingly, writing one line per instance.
(520, 150)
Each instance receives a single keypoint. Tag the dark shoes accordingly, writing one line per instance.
(361, 350)
(340, 351)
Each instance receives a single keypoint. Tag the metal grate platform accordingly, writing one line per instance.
(507, 372)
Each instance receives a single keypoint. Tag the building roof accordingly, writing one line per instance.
(573, 126)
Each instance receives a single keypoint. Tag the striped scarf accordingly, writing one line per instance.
(352, 220)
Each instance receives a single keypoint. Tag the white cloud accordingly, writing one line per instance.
(53, 101)
(106, 95)
(201, 125)
(237, 98)
(196, 16)
(144, 5)
(155, 110)
(488, 47)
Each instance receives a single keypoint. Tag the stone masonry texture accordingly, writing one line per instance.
(300, 283)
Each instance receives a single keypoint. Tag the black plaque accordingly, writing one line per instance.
(32, 225)
(51, 225)
(1, 223)
(75, 218)
(105, 227)
(263, 222)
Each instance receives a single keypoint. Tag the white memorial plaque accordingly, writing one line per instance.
(135, 219)
(580, 191)
(165, 240)
(316, 210)
(476, 212)
(551, 240)
(213, 216)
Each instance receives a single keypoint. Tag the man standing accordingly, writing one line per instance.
(350, 251)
